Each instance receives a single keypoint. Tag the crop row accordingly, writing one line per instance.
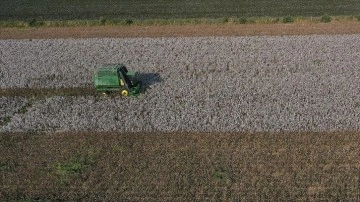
(171, 9)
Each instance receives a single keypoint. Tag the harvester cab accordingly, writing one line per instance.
(116, 78)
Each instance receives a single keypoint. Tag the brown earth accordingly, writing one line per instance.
(182, 30)
(180, 166)
(47, 92)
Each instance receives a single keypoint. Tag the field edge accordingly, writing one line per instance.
(199, 30)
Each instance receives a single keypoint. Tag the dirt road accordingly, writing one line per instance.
(182, 30)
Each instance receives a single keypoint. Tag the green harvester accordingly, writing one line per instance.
(116, 78)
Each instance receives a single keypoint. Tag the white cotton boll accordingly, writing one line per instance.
(258, 83)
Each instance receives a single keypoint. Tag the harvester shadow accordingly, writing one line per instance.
(148, 79)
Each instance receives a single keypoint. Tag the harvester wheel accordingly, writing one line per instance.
(124, 93)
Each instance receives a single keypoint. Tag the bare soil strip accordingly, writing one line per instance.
(92, 166)
(46, 92)
(182, 30)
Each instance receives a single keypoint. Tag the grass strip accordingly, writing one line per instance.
(191, 21)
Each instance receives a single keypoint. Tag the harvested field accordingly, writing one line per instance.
(180, 167)
(292, 83)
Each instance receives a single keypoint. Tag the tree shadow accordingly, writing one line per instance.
(148, 79)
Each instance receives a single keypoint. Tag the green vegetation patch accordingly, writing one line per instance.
(74, 165)
(72, 168)
(288, 19)
(325, 18)
(5, 120)
(221, 175)
(25, 107)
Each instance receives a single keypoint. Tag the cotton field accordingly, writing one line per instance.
(267, 83)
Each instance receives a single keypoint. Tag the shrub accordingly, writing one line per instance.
(325, 18)
(243, 20)
(32, 23)
(4, 121)
(288, 19)
(129, 21)
(102, 21)
(35, 23)
(225, 20)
